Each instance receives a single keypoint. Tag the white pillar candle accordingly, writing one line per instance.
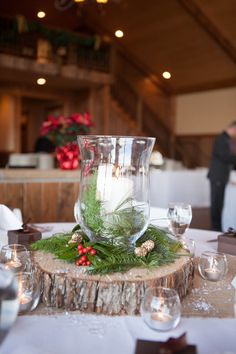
(104, 182)
(112, 188)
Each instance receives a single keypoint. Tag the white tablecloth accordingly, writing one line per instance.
(77, 333)
(92, 334)
(187, 186)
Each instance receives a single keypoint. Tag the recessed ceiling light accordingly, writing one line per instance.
(166, 75)
(101, 1)
(41, 81)
(41, 14)
(119, 34)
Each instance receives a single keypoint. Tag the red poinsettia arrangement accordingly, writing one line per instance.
(62, 131)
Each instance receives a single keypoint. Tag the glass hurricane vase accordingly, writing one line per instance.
(113, 204)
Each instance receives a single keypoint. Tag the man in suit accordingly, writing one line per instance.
(222, 162)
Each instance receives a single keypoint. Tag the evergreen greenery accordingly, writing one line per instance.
(91, 207)
(111, 258)
(114, 229)
(126, 220)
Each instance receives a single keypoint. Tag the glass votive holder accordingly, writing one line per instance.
(29, 291)
(15, 257)
(213, 266)
(161, 308)
(9, 304)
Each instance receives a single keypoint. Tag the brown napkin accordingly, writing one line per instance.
(171, 346)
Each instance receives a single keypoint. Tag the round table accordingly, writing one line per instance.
(63, 332)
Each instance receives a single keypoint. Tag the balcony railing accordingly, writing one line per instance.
(32, 40)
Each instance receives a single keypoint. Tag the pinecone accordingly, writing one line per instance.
(149, 245)
(76, 238)
(140, 251)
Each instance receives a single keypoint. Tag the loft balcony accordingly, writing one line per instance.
(75, 59)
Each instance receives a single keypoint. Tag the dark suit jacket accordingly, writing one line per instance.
(223, 159)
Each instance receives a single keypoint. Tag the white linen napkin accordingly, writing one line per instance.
(8, 220)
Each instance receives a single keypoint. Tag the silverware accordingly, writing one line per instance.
(214, 240)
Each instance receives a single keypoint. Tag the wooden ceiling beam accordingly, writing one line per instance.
(205, 87)
(205, 22)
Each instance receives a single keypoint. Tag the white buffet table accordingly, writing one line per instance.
(77, 333)
(191, 187)
(229, 211)
(187, 186)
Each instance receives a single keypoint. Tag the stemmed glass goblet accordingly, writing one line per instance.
(180, 216)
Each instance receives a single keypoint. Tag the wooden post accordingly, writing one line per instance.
(106, 108)
(172, 138)
(18, 146)
(91, 102)
(139, 113)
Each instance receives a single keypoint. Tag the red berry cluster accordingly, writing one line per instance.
(83, 260)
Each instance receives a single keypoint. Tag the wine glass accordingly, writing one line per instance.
(180, 216)
(9, 303)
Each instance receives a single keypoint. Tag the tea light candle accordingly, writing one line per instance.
(161, 320)
(13, 265)
(25, 302)
(212, 274)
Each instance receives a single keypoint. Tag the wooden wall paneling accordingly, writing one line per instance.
(41, 202)
(33, 201)
(11, 194)
(194, 150)
(76, 190)
(66, 202)
(50, 199)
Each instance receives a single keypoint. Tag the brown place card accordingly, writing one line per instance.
(227, 243)
(24, 236)
(171, 346)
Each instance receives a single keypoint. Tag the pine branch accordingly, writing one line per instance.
(111, 258)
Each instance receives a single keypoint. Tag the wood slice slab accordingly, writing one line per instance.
(68, 286)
